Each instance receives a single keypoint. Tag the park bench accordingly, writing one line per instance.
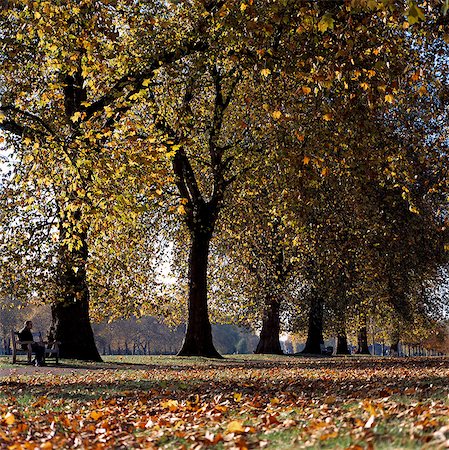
(51, 349)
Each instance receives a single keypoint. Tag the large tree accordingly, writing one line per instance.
(70, 74)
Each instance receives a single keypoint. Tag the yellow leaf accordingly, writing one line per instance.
(364, 86)
(37, 15)
(243, 6)
(95, 415)
(146, 82)
(306, 160)
(109, 111)
(276, 114)
(389, 98)
(2, 117)
(172, 405)
(422, 91)
(265, 72)
(327, 117)
(2, 139)
(306, 90)
(75, 117)
(237, 396)
(326, 23)
(27, 141)
(9, 418)
(325, 172)
(415, 14)
(181, 209)
(235, 427)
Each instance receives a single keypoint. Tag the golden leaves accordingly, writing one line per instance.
(76, 117)
(306, 90)
(235, 427)
(9, 418)
(326, 23)
(415, 13)
(164, 401)
(265, 72)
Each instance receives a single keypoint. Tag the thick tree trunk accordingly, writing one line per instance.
(269, 335)
(342, 344)
(70, 315)
(73, 329)
(315, 330)
(362, 342)
(198, 339)
(395, 338)
(394, 347)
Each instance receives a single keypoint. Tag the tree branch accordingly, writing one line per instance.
(27, 115)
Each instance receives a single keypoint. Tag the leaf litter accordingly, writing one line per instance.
(240, 404)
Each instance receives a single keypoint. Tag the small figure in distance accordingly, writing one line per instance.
(51, 337)
(26, 335)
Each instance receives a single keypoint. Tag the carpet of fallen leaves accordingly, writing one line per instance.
(271, 402)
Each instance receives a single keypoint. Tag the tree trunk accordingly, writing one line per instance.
(70, 315)
(342, 344)
(362, 342)
(198, 339)
(394, 347)
(315, 330)
(73, 329)
(269, 335)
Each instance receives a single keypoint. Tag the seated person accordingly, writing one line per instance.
(26, 335)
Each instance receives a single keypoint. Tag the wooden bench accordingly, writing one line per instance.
(51, 349)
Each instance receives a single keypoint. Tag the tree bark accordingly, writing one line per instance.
(315, 329)
(70, 315)
(269, 335)
(394, 347)
(342, 344)
(198, 338)
(362, 342)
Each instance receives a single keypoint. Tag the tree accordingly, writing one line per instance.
(68, 81)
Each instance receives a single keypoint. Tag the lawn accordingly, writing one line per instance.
(239, 402)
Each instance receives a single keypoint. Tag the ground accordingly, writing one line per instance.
(239, 402)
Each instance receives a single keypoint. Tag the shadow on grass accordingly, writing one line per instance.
(345, 379)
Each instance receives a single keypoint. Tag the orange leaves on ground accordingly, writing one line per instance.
(235, 427)
(231, 403)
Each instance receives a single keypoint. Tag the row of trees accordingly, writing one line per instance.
(287, 158)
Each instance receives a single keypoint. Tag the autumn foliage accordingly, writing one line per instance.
(273, 402)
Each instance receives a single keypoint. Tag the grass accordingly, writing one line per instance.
(242, 401)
